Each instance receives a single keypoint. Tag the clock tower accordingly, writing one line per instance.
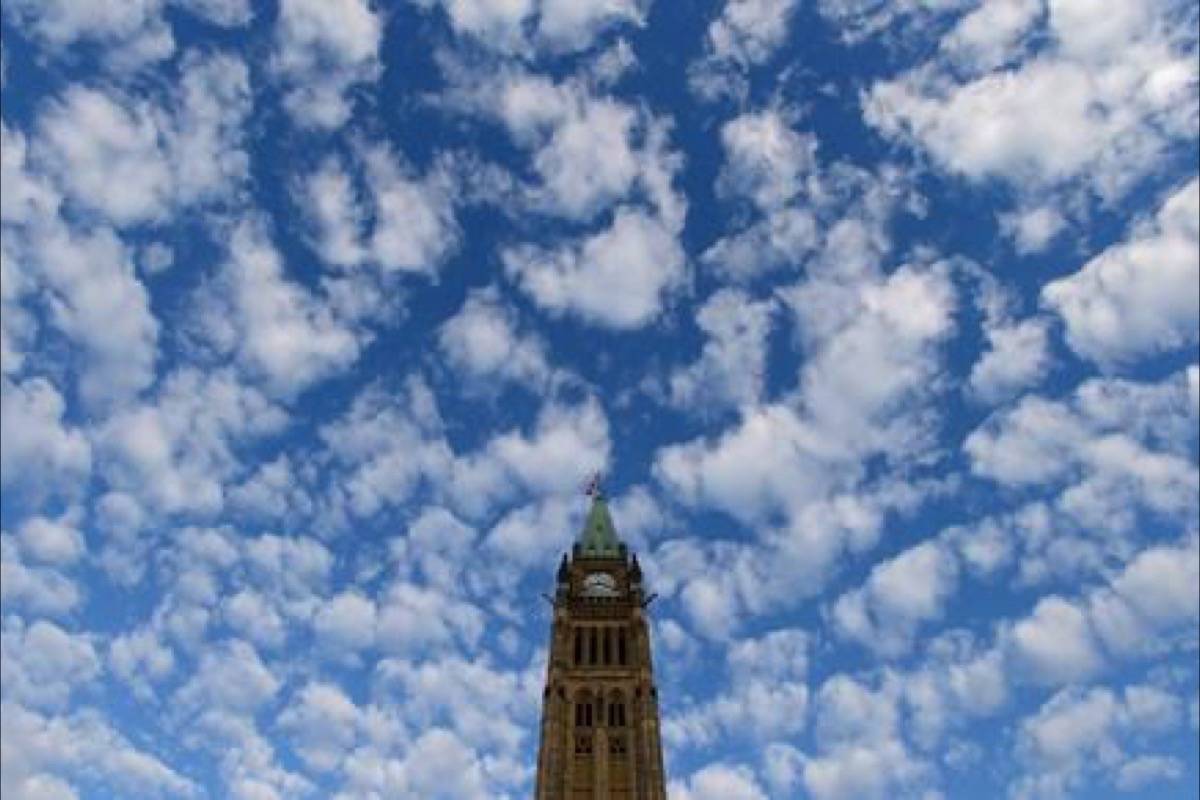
(600, 727)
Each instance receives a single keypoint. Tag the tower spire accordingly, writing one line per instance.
(598, 539)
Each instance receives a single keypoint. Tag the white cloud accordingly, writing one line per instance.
(332, 202)
(414, 620)
(747, 33)
(98, 302)
(588, 150)
(855, 21)
(175, 451)
(1033, 229)
(1143, 771)
(142, 660)
(42, 756)
(245, 759)
(44, 665)
(439, 766)
(41, 590)
(322, 51)
(205, 134)
(589, 153)
(386, 443)
(718, 782)
(783, 237)
(497, 23)
(884, 355)
(587, 162)
(774, 167)
(438, 545)
(230, 677)
(37, 449)
(553, 26)
(1138, 297)
(345, 623)
(859, 391)
(1109, 451)
(227, 13)
(281, 331)
(1039, 440)
(766, 698)
(1098, 107)
(323, 725)
(861, 754)
(567, 442)
(132, 161)
(129, 35)
(990, 35)
(780, 654)
(765, 159)
(534, 532)
(415, 229)
(250, 614)
(482, 342)
(132, 34)
(566, 25)
(1154, 596)
(489, 709)
(899, 595)
(619, 278)
(758, 468)
(730, 372)
(865, 772)
(1056, 644)
(1079, 733)
(53, 541)
(1017, 357)
(28, 196)
(275, 491)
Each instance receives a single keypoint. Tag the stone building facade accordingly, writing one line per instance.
(600, 736)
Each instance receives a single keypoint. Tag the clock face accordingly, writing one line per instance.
(599, 584)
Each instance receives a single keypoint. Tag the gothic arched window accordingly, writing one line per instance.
(583, 710)
(616, 710)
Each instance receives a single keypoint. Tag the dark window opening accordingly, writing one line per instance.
(592, 648)
(621, 647)
(607, 646)
(578, 646)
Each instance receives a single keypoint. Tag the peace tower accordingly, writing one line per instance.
(600, 726)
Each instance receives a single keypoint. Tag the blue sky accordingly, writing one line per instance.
(880, 319)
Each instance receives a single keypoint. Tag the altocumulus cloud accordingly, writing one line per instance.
(880, 318)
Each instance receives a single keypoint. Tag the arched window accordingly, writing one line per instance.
(616, 710)
(621, 652)
(583, 710)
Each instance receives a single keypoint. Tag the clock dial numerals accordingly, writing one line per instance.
(600, 584)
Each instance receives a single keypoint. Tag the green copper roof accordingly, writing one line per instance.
(599, 538)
